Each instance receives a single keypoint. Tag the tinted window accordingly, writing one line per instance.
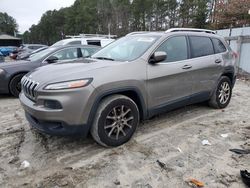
(70, 53)
(218, 46)
(201, 46)
(176, 49)
(75, 42)
(94, 42)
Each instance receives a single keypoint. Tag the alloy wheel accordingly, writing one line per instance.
(224, 92)
(119, 122)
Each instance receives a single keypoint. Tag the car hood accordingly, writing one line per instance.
(13, 64)
(59, 72)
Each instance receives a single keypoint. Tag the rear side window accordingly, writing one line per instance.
(176, 49)
(201, 46)
(69, 53)
(219, 47)
(94, 42)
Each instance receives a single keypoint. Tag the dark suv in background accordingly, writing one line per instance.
(133, 78)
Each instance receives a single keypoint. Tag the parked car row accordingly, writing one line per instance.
(26, 55)
(12, 73)
(25, 49)
(131, 79)
(31, 56)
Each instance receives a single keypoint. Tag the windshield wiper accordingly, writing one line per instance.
(104, 58)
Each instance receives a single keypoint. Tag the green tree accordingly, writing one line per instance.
(194, 13)
(141, 10)
(201, 15)
(120, 17)
(8, 24)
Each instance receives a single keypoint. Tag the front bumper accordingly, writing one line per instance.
(57, 128)
(70, 118)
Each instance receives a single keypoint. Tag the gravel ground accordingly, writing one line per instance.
(173, 138)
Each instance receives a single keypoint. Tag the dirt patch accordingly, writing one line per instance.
(173, 139)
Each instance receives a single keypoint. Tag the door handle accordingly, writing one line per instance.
(218, 61)
(187, 67)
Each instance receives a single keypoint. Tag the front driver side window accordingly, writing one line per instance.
(70, 53)
(176, 49)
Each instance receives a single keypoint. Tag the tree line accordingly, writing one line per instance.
(8, 24)
(120, 17)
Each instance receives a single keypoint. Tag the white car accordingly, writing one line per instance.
(87, 39)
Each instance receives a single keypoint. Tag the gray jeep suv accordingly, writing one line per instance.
(133, 78)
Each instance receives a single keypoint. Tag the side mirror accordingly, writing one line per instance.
(158, 57)
(52, 59)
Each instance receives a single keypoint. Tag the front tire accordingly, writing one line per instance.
(15, 85)
(222, 95)
(116, 120)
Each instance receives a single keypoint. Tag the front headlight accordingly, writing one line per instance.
(1, 71)
(69, 84)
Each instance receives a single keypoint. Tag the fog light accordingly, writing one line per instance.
(52, 104)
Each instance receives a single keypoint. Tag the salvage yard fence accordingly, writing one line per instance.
(239, 40)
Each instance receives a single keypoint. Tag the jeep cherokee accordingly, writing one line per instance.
(133, 78)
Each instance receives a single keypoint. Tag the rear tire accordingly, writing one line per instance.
(15, 85)
(222, 94)
(115, 121)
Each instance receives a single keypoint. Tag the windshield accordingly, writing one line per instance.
(126, 49)
(40, 54)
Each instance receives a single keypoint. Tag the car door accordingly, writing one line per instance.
(206, 68)
(170, 81)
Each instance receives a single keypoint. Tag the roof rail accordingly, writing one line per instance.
(90, 35)
(137, 32)
(190, 29)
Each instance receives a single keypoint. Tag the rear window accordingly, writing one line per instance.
(201, 46)
(219, 47)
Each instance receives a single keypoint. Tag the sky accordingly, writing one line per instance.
(28, 12)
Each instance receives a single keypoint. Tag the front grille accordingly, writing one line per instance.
(29, 87)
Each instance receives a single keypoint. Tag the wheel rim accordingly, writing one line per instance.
(224, 92)
(119, 122)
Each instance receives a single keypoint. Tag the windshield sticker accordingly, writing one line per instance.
(146, 39)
